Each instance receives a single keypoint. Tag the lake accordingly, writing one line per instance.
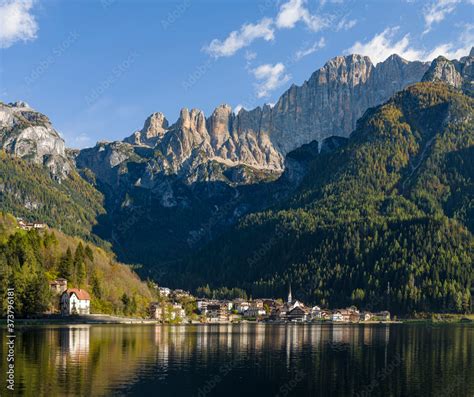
(243, 360)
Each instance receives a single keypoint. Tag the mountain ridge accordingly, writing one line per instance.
(169, 189)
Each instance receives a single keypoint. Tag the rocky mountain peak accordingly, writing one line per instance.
(351, 69)
(28, 134)
(154, 128)
(155, 125)
(20, 104)
(326, 105)
(458, 73)
(443, 69)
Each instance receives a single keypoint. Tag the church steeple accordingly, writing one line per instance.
(290, 298)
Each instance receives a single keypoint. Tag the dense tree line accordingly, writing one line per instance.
(30, 259)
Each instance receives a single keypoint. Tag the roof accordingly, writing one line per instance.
(80, 293)
(298, 309)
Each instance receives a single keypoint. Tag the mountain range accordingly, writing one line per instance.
(269, 196)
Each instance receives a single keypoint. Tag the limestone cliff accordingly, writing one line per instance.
(28, 134)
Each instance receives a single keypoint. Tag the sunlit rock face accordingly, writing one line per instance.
(28, 134)
(328, 104)
(458, 73)
(199, 148)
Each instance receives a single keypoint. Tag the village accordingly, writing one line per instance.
(180, 307)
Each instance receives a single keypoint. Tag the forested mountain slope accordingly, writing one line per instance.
(28, 190)
(29, 259)
(385, 220)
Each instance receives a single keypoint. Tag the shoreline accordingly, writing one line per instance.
(103, 319)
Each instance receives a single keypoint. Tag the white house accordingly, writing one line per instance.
(255, 311)
(337, 316)
(75, 301)
(241, 306)
(316, 312)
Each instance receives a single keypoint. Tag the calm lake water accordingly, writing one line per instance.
(244, 360)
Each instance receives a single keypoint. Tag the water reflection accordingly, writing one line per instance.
(250, 359)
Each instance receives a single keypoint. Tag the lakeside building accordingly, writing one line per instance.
(217, 312)
(260, 309)
(202, 305)
(156, 311)
(166, 311)
(241, 305)
(297, 314)
(255, 311)
(58, 286)
(75, 301)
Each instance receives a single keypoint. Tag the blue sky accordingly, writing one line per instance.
(99, 68)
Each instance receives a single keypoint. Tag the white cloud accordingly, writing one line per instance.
(437, 11)
(345, 24)
(384, 44)
(315, 47)
(270, 77)
(295, 11)
(250, 55)
(16, 22)
(241, 38)
(450, 50)
(290, 13)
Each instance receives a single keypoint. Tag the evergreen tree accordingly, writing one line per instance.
(66, 265)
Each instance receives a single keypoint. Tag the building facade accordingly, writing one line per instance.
(75, 301)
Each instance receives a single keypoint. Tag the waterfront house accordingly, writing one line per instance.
(217, 312)
(255, 311)
(202, 305)
(337, 316)
(365, 316)
(177, 311)
(325, 314)
(75, 301)
(156, 311)
(315, 313)
(241, 305)
(297, 314)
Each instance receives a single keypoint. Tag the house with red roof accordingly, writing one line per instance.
(75, 301)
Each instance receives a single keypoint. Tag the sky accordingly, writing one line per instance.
(99, 68)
